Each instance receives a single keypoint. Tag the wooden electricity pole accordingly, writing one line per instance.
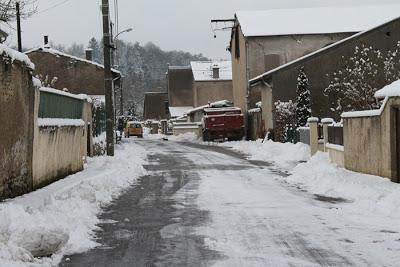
(19, 27)
(108, 79)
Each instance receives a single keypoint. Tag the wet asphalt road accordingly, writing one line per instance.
(145, 226)
(155, 222)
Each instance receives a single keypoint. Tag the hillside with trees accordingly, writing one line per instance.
(144, 67)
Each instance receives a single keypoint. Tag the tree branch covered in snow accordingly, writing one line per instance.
(285, 115)
(8, 9)
(354, 85)
(392, 64)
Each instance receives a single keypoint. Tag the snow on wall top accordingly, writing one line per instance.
(59, 53)
(392, 89)
(59, 92)
(315, 20)
(203, 70)
(176, 112)
(15, 55)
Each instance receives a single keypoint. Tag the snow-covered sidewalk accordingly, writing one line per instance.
(319, 215)
(61, 218)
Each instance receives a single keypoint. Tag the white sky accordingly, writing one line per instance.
(170, 24)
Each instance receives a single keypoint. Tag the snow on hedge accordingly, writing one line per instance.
(61, 218)
(284, 155)
(370, 193)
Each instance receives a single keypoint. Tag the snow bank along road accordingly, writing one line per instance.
(206, 205)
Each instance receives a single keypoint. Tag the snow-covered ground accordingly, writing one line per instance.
(61, 218)
(319, 215)
(282, 155)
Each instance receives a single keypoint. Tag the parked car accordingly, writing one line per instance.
(223, 123)
(133, 128)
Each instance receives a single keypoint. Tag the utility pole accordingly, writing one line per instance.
(121, 99)
(108, 79)
(19, 27)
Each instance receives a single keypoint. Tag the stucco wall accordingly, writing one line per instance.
(78, 77)
(16, 131)
(211, 91)
(57, 153)
(370, 143)
(180, 87)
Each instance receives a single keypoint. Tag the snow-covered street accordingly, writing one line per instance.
(205, 205)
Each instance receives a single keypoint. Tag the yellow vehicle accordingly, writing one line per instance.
(134, 128)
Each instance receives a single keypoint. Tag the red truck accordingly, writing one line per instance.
(223, 123)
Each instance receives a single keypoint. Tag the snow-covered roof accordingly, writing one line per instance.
(203, 70)
(15, 55)
(315, 20)
(59, 53)
(178, 111)
(392, 89)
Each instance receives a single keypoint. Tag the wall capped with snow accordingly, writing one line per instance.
(16, 120)
(370, 142)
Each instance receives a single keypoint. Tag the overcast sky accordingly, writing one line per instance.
(170, 24)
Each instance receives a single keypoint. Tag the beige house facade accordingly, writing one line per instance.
(197, 85)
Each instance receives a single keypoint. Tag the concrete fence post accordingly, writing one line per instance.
(313, 123)
(325, 123)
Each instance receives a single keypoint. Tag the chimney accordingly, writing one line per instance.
(89, 54)
(215, 71)
(46, 41)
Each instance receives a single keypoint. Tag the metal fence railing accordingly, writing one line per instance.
(335, 135)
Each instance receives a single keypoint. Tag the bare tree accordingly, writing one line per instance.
(8, 9)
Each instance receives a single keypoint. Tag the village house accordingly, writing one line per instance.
(62, 71)
(196, 85)
(281, 83)
(155, 106)
(263, 40)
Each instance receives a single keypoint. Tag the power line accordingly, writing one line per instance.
(53, 6)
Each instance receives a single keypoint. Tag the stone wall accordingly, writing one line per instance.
(79, 77)
(16, 131)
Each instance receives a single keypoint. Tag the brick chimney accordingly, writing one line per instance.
(215, 69)
(89, 54)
